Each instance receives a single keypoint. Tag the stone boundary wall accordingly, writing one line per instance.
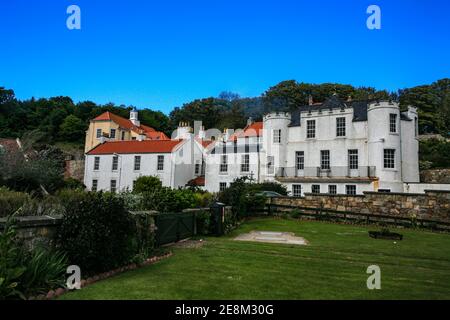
(431, 205)
(35, 230)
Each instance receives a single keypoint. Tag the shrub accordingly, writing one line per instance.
(96, 232)
(203, 221)
(144, 237)
(25, 273)
(71, 183)
(45, 270)
(11, 201)
(242, 196)
(147, 184)
(11, 267)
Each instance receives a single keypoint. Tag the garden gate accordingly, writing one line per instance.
(172, 227)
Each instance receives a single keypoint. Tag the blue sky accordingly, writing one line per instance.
(161, 54)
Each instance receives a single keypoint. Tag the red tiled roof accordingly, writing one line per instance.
(134, 146)
(203, 142)
(151, 133)
(253, 130)
(156, 135)
(9, 144)
(199, 181)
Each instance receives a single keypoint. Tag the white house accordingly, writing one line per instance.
(116, 165)
(344, 147)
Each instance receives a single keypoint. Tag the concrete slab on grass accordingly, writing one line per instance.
(272, 237)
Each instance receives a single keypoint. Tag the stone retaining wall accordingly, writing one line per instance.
(35, 230)
(433, 205)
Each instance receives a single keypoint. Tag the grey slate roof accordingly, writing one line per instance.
(359, 109)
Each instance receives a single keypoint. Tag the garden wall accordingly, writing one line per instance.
(35, 230)
(432, 205)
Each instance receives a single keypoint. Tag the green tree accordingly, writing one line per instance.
(73, 129)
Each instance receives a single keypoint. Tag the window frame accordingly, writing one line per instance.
(276, 136)
(223, 166)
(315, 188)
(310, 129)
(94, 186)
(332, 186)
(393, 123)
(296, 190)
(111, 135)
(350, 189)
(160, 162)
(111, 188)
(389, 158)
(222, 186)
(245, 163)
(341, 128)
(300, 160)
(99, 133)
(96, 163)
(353, 164)
(115, 163)
(137, 163)
(325, 160)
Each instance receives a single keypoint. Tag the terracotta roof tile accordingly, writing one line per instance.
(134, 146)
(253, 130)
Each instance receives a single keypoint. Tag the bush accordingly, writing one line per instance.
(203, 221)
(147, 184)
(96, 232)
(24, 273)
(71, 183)
(45, 270)
(11, 201)
(242, 196)
(11, 267)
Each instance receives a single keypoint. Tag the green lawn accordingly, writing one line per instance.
(332, 266)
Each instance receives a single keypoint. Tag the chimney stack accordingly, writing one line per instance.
(310, 100)
(249, 121)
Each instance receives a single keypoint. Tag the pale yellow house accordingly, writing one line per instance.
(111, 127)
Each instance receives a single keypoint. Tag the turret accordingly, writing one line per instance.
(275, 138)
(384, 144)
(134, 117)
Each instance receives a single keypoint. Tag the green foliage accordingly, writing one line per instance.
(71, 183)
(433, 103)
(11, 268)
(11, 201)
(203, 220)
(268, 186)
(96, 232)
(434, 153)
(144, 237)
(31, 170)
(163, 199)
(73, 129)
(241, 195)
(147, 184)
(24, 273)
(45, 270)
(60, 118)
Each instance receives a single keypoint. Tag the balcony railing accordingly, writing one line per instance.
(343, 171)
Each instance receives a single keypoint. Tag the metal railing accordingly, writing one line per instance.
(337, 171)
